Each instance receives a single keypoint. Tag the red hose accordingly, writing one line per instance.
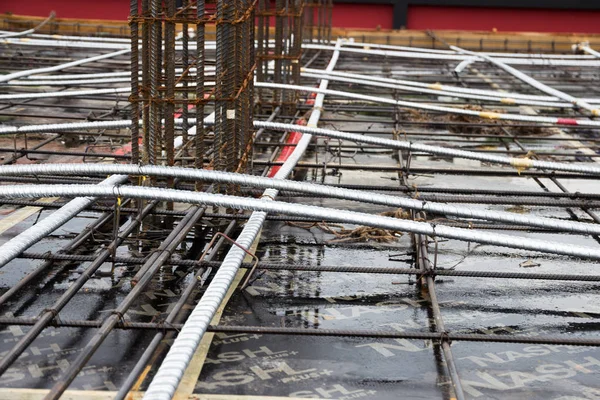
(311, 98)
(566, 121)
(286, 151)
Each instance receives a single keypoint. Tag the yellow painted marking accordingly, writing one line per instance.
(22, 214)
(141, 379)
(435, 86)
(507, 100)
(38, 394)
(194, 369)
(489, 115)
(521, 164)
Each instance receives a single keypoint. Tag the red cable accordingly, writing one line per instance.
(286, 151)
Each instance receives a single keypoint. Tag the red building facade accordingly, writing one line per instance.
(503, 15)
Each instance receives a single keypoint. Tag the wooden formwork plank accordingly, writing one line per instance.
(38, 394)
(22, 214)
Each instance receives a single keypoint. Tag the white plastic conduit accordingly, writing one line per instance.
(507, 96)
(79, 78)
(72, 93)
(15, 246)
(439, 92)
(300, 187)
(78, 38)
(479, 94)
(15, 75)
(86, 38)
(59, 80)
(586, 48)
(429, 107)
(533, 82)
(437, 86)
(86, 44)
(191, 72)
(67, 82)
(82, 76)
(65, 43)
(70, 126)
(28, 31)
(439, 51)
(463, 64)
(458, 57)
(15, 34)
(520, 163)
(189, 337)
(81, 82)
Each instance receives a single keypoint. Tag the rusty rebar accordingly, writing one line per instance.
(283, 57)
(200, 59)
(134, 98)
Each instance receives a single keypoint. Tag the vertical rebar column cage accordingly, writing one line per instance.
(317, 21)
(179, 74)
(234, 73)
(279, 49)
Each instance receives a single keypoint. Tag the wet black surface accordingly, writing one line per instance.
(56, 348)
(387, 369)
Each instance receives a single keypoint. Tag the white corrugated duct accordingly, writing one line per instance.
(300, 187)
(27, 238)
(202, 314)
